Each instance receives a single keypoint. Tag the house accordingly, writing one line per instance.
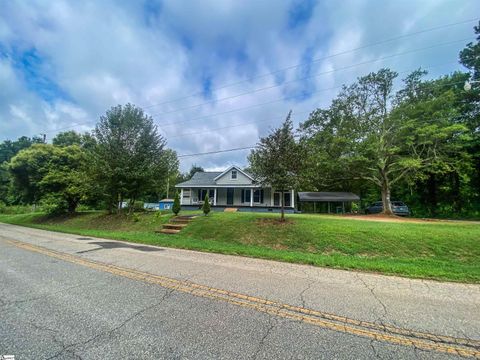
(326, 202)
(232, 188)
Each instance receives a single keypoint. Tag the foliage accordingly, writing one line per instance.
(128, 158)
(176, 204)
(369, 133)
(69, 138)
(206, 205)
(277, 160)
(52, 174)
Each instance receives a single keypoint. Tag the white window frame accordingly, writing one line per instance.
(236, 175)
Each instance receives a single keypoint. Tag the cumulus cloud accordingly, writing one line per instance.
(64, 63)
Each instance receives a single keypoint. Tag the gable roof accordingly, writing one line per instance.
(327, 196)
(204, 178)
(236, 168)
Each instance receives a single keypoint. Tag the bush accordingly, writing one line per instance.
(15, 209)
(176, 204)
(54, 204)
(206, 205)
(135, 218)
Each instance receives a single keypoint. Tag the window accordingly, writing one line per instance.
(234, 174)
(245, 195)
(258, 196)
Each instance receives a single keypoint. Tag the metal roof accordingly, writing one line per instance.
(326, 196)
(205, 178)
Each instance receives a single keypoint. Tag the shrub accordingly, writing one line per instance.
(176, 204)
(206, 205)
(135, 218)
(54, 204)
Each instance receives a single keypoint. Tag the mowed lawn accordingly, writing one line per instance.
(435, 250)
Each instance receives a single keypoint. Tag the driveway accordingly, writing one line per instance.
(70, 296)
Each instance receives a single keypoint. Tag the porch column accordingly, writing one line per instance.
(271, 196)
(215, 197)
(293, 199)
(181, 196)
(251, 197)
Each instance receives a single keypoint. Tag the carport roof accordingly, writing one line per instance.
(326, 196)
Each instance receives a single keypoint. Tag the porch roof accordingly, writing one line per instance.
(326, 196)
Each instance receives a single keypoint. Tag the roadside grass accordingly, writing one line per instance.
(441, 251)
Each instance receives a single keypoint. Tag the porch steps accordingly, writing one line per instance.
(230, 210)
(175, 225)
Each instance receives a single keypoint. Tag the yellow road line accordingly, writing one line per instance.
(391, 334)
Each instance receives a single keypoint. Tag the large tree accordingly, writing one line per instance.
(277, 159)
(51, 174)
(128, 158)
(367, 134)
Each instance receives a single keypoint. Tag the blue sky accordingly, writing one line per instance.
(64, 63)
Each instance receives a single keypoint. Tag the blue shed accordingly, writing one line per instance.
(165, 204)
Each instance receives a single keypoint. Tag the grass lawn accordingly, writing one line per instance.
(443, 251)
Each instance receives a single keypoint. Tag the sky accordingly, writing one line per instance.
(213, 74)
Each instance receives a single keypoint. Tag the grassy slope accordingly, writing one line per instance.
(444, 251)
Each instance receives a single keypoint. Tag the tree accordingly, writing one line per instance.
(206, 205)
(55, 175)
(67, 138)
(176, 204)
(367, 133)
(128, 158)
(277, 160)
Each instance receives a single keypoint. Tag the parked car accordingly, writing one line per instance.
(399, 208)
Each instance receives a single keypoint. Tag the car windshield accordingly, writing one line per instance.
(378, 204)
(398, 203)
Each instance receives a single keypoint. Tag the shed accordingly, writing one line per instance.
(165, 204)
(326, 202)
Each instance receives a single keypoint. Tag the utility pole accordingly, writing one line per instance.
(44, 138)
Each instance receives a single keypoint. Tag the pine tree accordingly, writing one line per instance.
(176, 204)
(206, 205)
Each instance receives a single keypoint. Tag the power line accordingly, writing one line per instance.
(274, 101)
(217, 152)
(277, 100)
(312, 76)
(253, 146)
(321, 59)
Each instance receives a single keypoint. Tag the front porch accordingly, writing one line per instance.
(240, 197)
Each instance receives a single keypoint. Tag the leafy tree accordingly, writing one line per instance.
(368, 134)
(128, 158)
(277, 160)
(176, 204)
(67, 138)
(54, 175)
(206, 205)
(470, 56)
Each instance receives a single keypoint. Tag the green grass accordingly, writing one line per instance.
(442, 251)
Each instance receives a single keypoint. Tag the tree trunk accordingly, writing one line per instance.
(387, 204)
(282, 216)
(456, 198)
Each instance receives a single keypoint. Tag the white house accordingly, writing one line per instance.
(233, 188)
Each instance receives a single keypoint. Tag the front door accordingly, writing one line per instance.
(230, 192)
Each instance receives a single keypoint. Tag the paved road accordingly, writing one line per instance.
(68, 296)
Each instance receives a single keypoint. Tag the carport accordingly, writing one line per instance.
(326, 202)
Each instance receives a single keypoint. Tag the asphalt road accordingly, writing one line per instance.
(67, 297)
